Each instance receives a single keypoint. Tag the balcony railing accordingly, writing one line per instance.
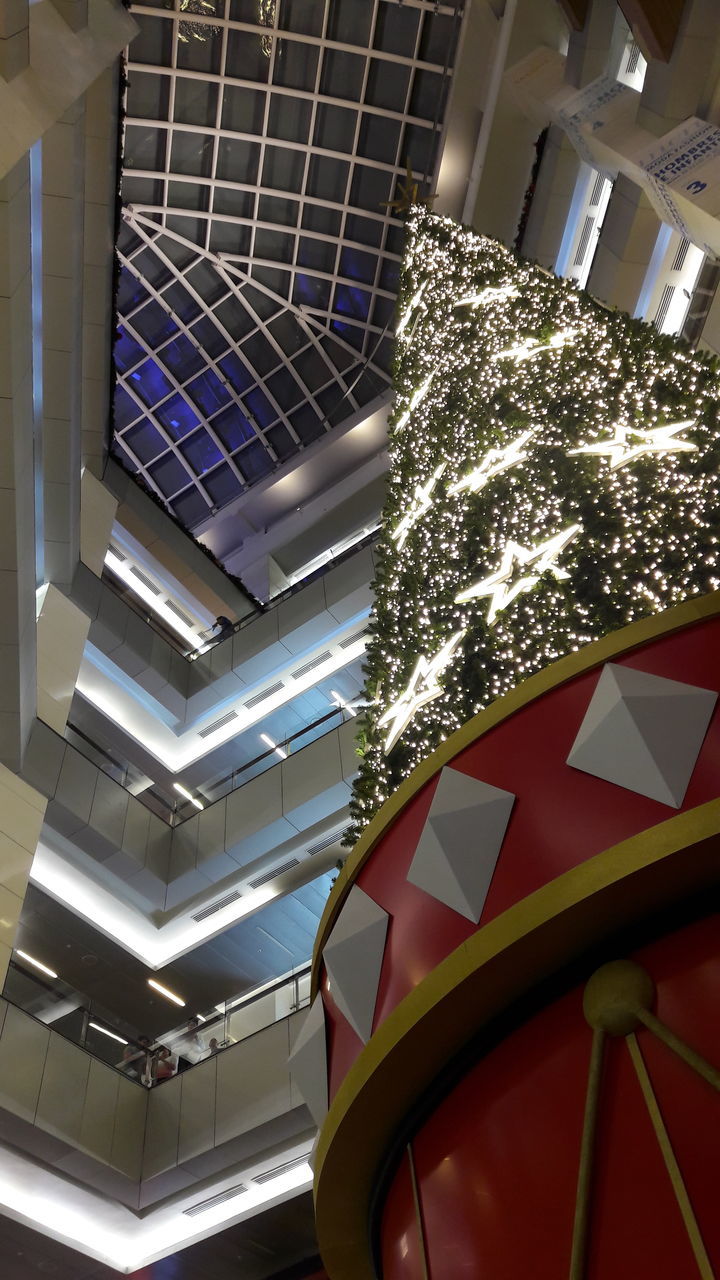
(121, 589)
(172, 808)
(91, 1026)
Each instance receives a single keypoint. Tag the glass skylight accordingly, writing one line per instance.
(258, 266)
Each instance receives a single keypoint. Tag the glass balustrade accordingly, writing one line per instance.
(118, 1044)
(208, 640)
(171, 807)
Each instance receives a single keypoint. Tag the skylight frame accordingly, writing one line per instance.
(354, 377)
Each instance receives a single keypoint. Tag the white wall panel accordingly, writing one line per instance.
(63, 1089)
(197, 1110)
(253, 1083)
(129, 1131)
(98, 1116)
(23, 1047)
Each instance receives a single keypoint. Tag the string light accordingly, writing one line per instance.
(486, 296)
(407, 314)
(416, 398)
(512, 381)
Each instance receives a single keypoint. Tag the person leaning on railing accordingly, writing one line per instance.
(137, 1060)
(224, 628)
(166, 1064)
(216, 1045)
(190, 1046)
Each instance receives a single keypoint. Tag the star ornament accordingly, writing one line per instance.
(530, 347)
(421, 688)
(493, 464)
(628, 443)
(422, 501)
(409, 311)
(499, 293)
(415, 400)
(408, 195)
(509, 581)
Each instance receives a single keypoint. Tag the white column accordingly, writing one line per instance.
(17, 502)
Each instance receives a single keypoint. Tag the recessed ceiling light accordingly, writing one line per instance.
(96, 1027)
(38, 963)
(122, 570)
(188, 795)
(164, 991)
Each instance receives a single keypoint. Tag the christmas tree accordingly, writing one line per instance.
(553, 476)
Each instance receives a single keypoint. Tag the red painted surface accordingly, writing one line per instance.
(400, 1244)
(342, 1043)
(497, 1161)
(561, 817)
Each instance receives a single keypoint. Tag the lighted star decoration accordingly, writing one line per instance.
(409, 195)
(421, 502)
(421, 688)
(408, 312)
(498, 293)
(530, 347)
(415, 399)
(493, 464)
(628, 443)
(504, 585)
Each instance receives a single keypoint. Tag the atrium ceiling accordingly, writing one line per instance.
(259, 261)
(282, 1237)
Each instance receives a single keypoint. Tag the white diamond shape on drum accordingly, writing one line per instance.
(353, 959)
(308, 1062)
(460, 842)
(643, 732)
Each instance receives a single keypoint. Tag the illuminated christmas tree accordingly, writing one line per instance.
(554, 475)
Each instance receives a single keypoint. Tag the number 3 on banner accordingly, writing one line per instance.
(696, 187)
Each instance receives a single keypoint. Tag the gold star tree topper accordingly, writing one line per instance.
(408, 195)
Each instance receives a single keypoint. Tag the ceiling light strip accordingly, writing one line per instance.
(38, 964)
(113, 1036)
(166, 992)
